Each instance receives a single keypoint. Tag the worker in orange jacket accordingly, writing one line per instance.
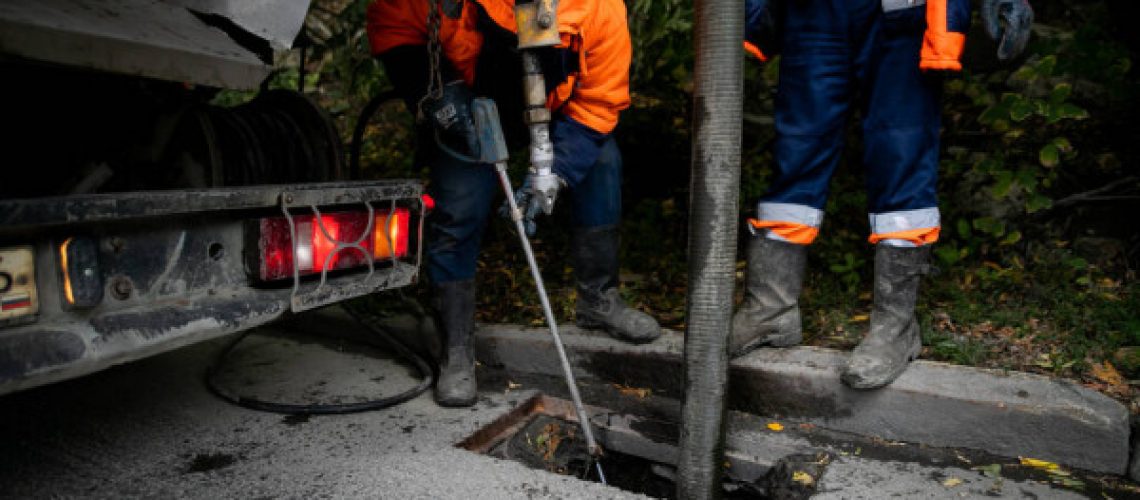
(884, 57)
(587, 77)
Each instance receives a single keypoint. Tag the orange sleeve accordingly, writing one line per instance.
(602, 89)
(391, 23)
(941, 47)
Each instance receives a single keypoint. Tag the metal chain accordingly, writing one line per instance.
(434, 48)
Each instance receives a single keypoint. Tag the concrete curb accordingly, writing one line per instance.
(1004, 413)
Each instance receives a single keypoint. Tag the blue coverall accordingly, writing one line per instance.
(839, 54)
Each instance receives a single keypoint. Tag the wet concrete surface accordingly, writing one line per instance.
(151, 429)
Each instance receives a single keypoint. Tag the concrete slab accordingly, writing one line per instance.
(1003, 413)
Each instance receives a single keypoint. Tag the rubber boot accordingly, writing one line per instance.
(595, 256)
(770, 314)
(894, 339)
(455, 306)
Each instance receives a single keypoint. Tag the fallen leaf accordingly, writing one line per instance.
(859, 318)
(992, 470)
(803, 478)
(639, 392)
(1038, 464)
(1070, 483)
(775, 427)
(1107, 373)
(951, 482)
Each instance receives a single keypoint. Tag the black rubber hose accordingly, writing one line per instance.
(718, 80)
(362, 123)
(389, 341)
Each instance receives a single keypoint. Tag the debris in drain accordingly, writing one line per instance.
(550, 443)
(792, 478)
(547, 443)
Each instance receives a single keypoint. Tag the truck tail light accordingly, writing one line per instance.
(315, 249)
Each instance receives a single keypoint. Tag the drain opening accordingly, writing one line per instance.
(543, 433)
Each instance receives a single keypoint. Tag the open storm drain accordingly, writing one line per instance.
(640, 453)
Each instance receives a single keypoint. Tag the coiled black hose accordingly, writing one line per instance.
(366, 113)
(373, 323)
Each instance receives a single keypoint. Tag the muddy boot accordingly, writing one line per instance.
(770, 314)
(894, 338)
(595, 254)
(455, 306)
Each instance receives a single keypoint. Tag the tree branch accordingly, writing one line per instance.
(1094, 194)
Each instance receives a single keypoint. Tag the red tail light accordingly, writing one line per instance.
(315, 250)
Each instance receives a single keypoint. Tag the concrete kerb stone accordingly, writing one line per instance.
(1004, 413)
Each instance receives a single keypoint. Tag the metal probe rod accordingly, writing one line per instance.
(516, 215)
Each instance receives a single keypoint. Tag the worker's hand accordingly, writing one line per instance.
(450, 116)
(1008, 22)
(537, 195)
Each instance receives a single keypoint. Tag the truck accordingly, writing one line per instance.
(136, 218)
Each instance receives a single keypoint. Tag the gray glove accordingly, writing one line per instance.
(537, 195)
(1008, 22)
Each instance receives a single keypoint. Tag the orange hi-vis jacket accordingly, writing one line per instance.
(596, 30)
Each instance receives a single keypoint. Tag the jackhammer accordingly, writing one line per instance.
(537, 28)
(493, 150)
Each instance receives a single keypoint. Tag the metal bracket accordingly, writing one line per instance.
(323, 293)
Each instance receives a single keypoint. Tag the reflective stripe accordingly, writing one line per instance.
(906, 220)
(788, 232)
(789, 212)
(912, 238)
(906, 228)
(787, 222)
(893, 5)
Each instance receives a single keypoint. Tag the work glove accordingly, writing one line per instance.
(536, 196)
(450, 117)
(1008, 22)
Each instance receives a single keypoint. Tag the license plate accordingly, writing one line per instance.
(18, 296)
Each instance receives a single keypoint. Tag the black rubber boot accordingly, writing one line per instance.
(770, 313)
(455, 309)
(894, 339)
(595, 255)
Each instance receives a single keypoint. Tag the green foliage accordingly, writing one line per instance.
(661, 33)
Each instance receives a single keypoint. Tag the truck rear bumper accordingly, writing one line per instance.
(174, 269)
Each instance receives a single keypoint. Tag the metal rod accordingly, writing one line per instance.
(516, 215)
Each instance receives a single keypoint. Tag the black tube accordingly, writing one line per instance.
(366, 113)
(717, 113)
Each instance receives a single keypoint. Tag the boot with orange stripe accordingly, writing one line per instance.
(894, 339)
(770, 314)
